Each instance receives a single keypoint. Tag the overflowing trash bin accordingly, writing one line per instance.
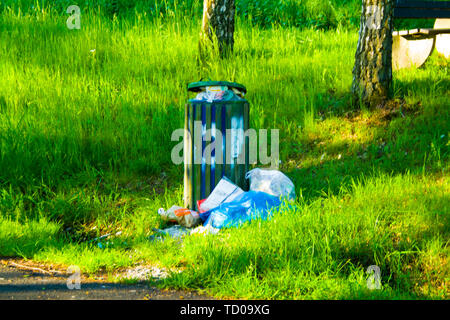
(219, 190)
(215, 144)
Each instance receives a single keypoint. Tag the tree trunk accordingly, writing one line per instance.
(372, 72)
(217, 26)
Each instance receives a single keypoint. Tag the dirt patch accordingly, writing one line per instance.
(27, 280)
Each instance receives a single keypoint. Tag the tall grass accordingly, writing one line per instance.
(122, 94)
(261, 13)
(322, 250)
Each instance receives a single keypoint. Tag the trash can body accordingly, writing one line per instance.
(215, 145)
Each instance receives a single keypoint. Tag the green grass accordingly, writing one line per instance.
(85, 150)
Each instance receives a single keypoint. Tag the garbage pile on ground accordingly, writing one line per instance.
(182, 216)
(229, 206)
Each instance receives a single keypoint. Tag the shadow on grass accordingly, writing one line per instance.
(417, 144)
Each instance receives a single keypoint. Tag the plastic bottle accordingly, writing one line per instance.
(182, 216)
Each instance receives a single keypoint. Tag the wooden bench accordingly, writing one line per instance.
(413, 47)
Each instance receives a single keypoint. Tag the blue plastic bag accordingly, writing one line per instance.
(247, 206)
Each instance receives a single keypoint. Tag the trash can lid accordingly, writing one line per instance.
(196, 86)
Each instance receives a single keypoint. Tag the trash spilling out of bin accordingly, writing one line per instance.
(248, 206)
(230, 206)
(225, 191)
(219, 189)
(182, 216)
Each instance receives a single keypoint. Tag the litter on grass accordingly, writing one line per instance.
(229, 206)
(103, 242)
(176, 232)
(182, 216)
(225, 191)
(247, 206)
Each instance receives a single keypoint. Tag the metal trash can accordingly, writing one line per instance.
(215, 144)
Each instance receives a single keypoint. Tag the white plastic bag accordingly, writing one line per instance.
(225, 191)
(273, 182)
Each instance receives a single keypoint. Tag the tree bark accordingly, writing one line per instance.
(217, 26)
(372, 72)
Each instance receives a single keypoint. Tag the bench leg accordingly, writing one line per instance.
(408, 53)
(443, 40)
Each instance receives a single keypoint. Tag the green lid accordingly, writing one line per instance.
(196, 86)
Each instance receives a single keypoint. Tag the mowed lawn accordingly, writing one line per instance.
(86, 118)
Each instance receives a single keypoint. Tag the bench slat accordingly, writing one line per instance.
(422, 4)
(421, 9)
(421, 13)
(420, 33)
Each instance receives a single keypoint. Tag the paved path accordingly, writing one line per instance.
(35, 285)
